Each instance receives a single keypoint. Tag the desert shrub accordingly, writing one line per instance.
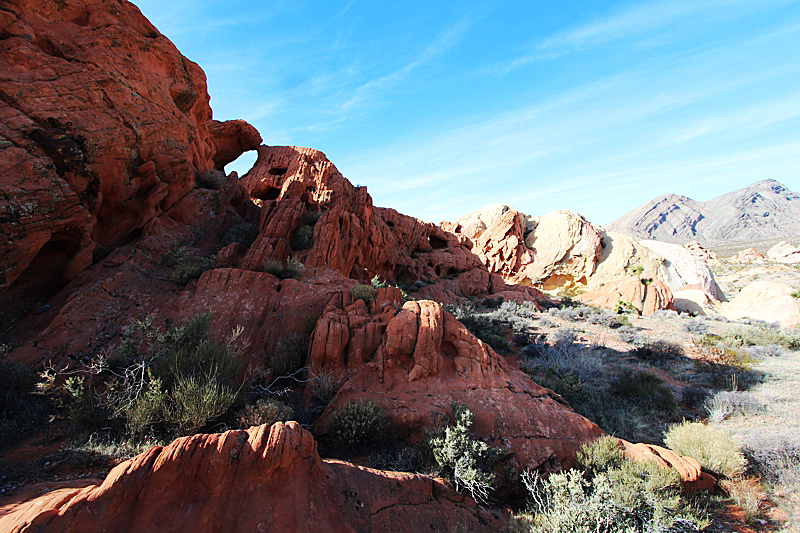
(289, 356)
(192, 269)
(603, 318)
(483, 326)
(628, 334)
(303, 238)
(547, 323)
(645, 389)
(748, 495)
(520, 339)
(626, 308)
(377, 283)
(324, 384)
(693, 396)
(696, 326)
(402, 458)
(265, 411)
(363, 292)
(622, 320)
(358, 424)
(725, 404)
(173, 381)
(760, 352)
(713, 448)
(612, 495)
(562, 357)
(22, 410)
(761, 335)
(599, 456)
(664, 313)
(245, 233)
(569, 314)
(292, 268)
(462, 457)
(774, 458)
(196, 400)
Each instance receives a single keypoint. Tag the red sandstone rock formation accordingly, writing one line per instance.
(262, 479)
(646, 298)
(709, 256)
(231, 139)
(355, 238)
(691, 473)
(102, 129)
(417, 362)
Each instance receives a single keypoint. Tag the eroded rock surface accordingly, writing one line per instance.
(646, 296)
(417, 362)
(784, 252)
(263, 479)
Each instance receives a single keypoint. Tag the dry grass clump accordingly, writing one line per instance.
(265, 411)
(713, 448)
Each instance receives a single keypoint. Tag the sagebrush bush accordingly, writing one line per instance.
(197, 400)
(628, 334)
(265, 411)
(761, 335)
(725, 404)
(696, 326)
(292, 268)
(775, 458)
(358, 424)
(186, 265)
(324, 384)
(462, 457)
(713, 448)
(613, 495)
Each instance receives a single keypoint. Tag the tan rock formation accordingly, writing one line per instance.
(765, 300)
(645, 298)
(685, 268)
(784, 252)
(748, 255)
(262, 479)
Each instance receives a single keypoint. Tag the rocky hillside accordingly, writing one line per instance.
(763, 210)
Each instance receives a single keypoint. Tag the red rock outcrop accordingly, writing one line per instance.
(694, 479)
(231, 139)
(299, 186)
(263, 479)
(645, 298)
(102, 129)
(748, 255)
(417, 362)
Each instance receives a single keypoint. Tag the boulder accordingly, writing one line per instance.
(694, 300)
(694, 479)
(685, 268)
(102, 129)
(784, 252)
(765, 300)
(748, 255)
(268, 478)
(697, 249)
(646, 298)
(417, 362)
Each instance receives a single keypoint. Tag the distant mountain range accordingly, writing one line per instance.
(763, 210)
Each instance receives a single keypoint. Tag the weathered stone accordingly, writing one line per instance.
(646, 298)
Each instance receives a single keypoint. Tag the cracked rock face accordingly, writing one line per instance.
(102, 129)
(263, 479)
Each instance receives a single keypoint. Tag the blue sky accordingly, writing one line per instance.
(440, 108)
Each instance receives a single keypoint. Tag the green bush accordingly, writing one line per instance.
(197, 400)
(625, 308)
(713, 448)
(463, 458)
(612, 495)
(185, 265)
(174, 381)
(364, 292)
(266, 412)
(358, 424)
(303, 238)
(245, 233)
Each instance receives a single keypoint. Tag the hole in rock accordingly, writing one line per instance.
(390, 223)
(437, 243)
(270, 193)
(278, 171)
(242, 164)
